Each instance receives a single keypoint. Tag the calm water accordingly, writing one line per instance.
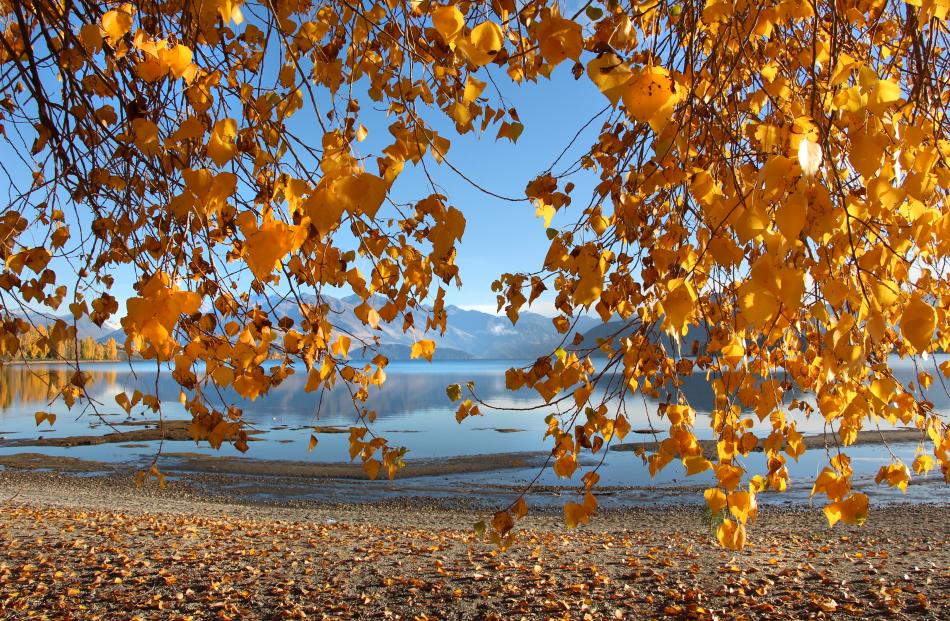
(413, 411)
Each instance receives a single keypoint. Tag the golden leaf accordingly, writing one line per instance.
(560, 39)
(918, 323)
(221, 146)
(731, 535)
(483, 44)
(448, 21)
(267, 243)
(611, 75)
(679, 305)
(423, 349)
(649, 92)
(117, 22)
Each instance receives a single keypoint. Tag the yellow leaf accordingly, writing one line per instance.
(809, 157)
(448, 22)
(155, 313)
(473, 89)
(117, 23)
(852, 510)
(791, 215)
(446, 232)
(313, 444)
(918, 323)
(649, 93)
(679, 305)
(882, 94)
(91, 38)
(363, 193)
(520, 508)
(715, 499)
(560, 39)
(733, 351)
(483, 44)
(885, 292)
(178, 60)
(267, 244)
(591, 266)
(611, 75)
(341, 346)
(923, 464)
(575, 514)
(544, 211)
(424, 349)
(511, 131)
(731, 535)
(372, 466)
(742, 505)
(621, 427)
(221, 146)
(146, 137)
(895, 474)
(696, 464)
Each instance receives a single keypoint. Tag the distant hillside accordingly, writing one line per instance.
(469, 333)
(478, 334)
(84, 326)
(619, 330)
(402, 352)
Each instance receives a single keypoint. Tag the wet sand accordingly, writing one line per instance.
(178, 430)
(146, 431)
(889, 436)
(241, 466)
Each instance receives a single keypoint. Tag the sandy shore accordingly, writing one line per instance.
(98, 547)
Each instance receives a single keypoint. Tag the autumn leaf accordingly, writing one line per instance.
(918, 323)
(611, 75)
(648, 93)
(448, 21)
(731, 535)
(852, 510)
(221, 146)
(560, 39)
(423, 349)
(268, 242)
(117, 22)
(679, 305)
(483, 44)
(809, 157)
(154, 315)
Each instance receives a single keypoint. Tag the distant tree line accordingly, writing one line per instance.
(34, 345)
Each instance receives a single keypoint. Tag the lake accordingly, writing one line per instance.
(413, 411)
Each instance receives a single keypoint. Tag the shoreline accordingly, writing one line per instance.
(885, 436)
(178, 429)
(472, 483)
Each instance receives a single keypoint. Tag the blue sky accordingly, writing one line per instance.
(503, 236)
(500, 236)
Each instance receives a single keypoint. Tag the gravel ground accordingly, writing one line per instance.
(74, 547)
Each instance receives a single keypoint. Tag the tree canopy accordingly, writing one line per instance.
(772, 174)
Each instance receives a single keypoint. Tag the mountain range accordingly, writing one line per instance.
(469, 333)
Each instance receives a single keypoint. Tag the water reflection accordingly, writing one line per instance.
(410, 387)
(413, 411)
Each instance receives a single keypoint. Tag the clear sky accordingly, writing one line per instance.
(501, 236)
